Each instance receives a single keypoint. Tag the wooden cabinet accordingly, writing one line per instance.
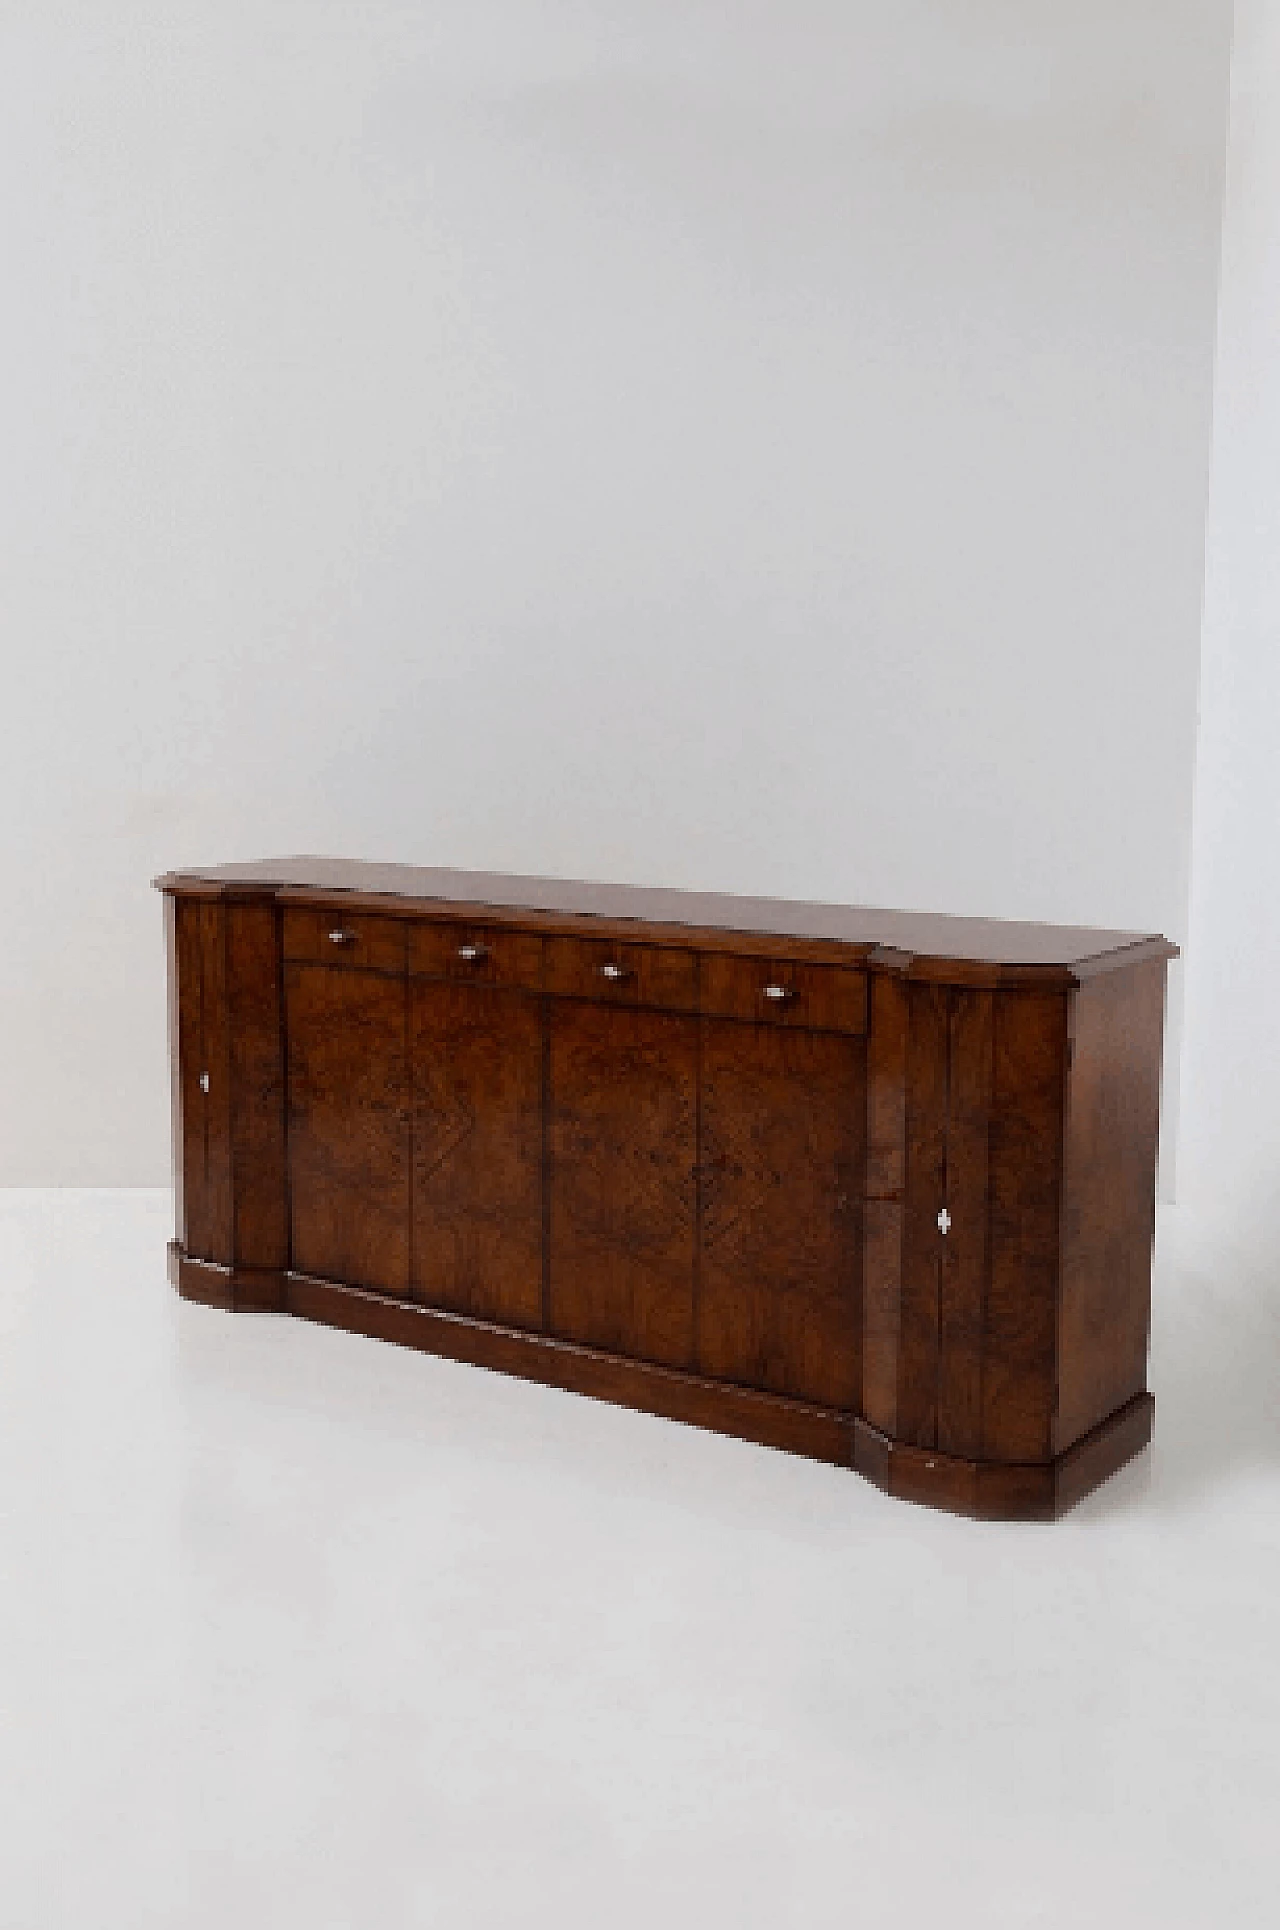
(874, 1187)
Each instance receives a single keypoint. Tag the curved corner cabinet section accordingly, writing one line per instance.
(884, 1203)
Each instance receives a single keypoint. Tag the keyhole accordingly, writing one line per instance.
(944, 1221)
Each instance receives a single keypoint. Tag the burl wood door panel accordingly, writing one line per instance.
(966, 1250)
(924, 1193)
(966, 1097)
(203, 1155)
(623, 1146)
(349, 1125)
(258, 1127)
(476, 1056)
(783, 1138)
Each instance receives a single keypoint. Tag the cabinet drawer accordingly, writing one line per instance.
(476, 954)
(330, 936)
(599, 968)
(821, 998)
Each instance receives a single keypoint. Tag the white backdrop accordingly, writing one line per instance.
(1232, 1067)
(757, 448)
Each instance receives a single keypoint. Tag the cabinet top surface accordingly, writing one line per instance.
(894, 935)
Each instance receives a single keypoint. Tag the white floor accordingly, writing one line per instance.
(296, 1629)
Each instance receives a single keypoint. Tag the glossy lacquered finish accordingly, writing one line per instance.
(871, 1201)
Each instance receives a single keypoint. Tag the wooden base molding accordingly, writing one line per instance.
(987, 1491)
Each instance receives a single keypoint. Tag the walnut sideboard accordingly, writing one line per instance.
(873, 1186)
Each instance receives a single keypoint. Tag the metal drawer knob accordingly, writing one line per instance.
(615, 973)
(473, 954)
(204, 1082)
(341, 936)
(944, 1221)
(780, 994)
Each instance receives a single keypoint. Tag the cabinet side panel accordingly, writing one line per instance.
(259, 1178)
(1112, 1133)
(1020, 1330)
(217, 1065)
(476, 1057)
(185, 1033)
(963, 1290)
(925, 1194)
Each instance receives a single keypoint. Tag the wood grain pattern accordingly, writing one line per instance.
(174, 985)
(476, 1057)
(338, 935)
(1020, 1331)
(259, 1179)
(783, 1126)
(890, 1024)
(189, 1120)
(349, 1144)
(962, 1287)
(217, 1053)
(475, 954)
(890, 1027)
(923, 1197)
(819, 998)
(659, 1188)
(623, 1120)
(638, 913)
(1109, 1204)
(881, 1310)
(658, 975)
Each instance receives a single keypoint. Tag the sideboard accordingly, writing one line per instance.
(876, 1187)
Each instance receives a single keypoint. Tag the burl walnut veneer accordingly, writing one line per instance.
(872, 1186)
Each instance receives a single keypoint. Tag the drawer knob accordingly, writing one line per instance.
(944, 1221)
(341, 936)
(780, 994)
(616, 973)
(473, 954)
(204, 1082)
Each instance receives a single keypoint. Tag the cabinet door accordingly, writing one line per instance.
(477, 1151)
(782, 1161)
(623, 1122)
(963, 1222)
(202, 1095)
(349, 1125)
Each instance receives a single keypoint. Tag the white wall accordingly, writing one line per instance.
(749, 447)
(1232, 1063)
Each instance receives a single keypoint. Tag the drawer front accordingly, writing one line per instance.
(330, 936)
(599, 968)
(476, 954)
(821, 998)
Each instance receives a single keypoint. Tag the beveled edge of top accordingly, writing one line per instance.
(922, 945)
